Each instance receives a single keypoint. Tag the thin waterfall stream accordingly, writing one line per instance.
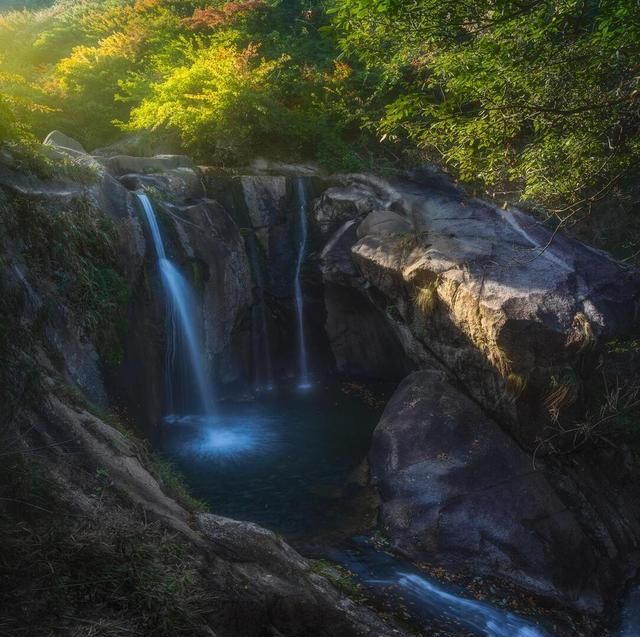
(183, 334)
(263, 366)
(302, 205)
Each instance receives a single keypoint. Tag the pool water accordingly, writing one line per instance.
(282, 461)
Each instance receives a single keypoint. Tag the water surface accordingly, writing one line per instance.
(428, 602)
(281, 461)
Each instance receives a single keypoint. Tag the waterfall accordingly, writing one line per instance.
(182, 333)
(303, 369)
(263, 368)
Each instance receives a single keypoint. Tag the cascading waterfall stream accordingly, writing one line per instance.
(182, 311)
(263, 373)
(303, 368)
(427, 601)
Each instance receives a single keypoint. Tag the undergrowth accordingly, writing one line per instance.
(168, 475)
(339, 576)
(73, 250)
(110, 573)
(99, 568)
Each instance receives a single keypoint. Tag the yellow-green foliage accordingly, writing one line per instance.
(426, 299)
(225, 79)
(539, 95)
(517, 383)
(551, 114)
(217, 101)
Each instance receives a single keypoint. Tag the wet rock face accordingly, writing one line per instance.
(492, 294)
(206, 245)
(361, 341)
(211, 238)
(459, 492)
(270, 215)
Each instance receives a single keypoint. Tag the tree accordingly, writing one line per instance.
(535, 96)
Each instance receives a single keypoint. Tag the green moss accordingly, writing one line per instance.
(624, 346)
(339, 576)
(175, 485)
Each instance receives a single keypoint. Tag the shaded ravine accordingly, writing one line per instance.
(182, 331)
(259, 462)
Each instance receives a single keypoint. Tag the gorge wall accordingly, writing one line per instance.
(506, 337)
(98, 507)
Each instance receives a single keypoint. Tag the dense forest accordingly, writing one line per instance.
(530, 100)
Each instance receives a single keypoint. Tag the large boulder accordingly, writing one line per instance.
(119, 165)
(516, 311)
(282, 594)
(60, 140)
(458, 492)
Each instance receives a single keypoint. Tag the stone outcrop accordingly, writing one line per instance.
(100, 195)
(281, 590)
(459, 492)
(504, 303)
(511, 322)
(119, 165)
